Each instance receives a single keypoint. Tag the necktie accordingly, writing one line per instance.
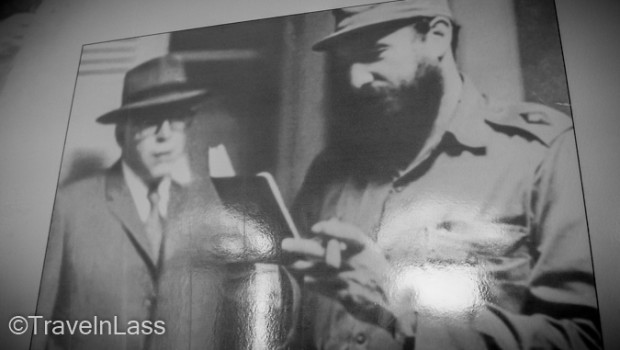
(154, 224)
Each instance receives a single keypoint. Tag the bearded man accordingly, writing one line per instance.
(436, 219)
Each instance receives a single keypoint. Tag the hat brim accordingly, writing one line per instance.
(380, 15)
(171, 100)
(327, 43)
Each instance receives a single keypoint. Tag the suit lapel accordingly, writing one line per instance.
(121, 204)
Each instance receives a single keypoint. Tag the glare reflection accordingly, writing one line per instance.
(258, 236)
(437, 247)
(450, 290)
(249, 238)
(266, 295)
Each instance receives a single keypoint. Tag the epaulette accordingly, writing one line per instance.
(530, 120)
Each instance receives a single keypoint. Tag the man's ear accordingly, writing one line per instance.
(439, 37)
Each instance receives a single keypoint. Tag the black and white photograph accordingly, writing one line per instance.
(399, 175)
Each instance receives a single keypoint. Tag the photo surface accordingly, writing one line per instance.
(391, 176)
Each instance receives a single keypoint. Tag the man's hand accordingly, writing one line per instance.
(350, 267)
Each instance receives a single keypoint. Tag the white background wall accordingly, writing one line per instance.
(36, 100)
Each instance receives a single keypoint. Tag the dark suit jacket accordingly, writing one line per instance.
(98, 267)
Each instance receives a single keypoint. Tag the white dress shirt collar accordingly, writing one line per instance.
(139, 192)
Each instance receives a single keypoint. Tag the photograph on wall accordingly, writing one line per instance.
(390, 176)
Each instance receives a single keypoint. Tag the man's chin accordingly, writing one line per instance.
(178, 169)
(161, 171)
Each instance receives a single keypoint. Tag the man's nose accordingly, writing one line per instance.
(360, 75)
(164, 130)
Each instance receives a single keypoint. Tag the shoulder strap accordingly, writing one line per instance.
(531, 120)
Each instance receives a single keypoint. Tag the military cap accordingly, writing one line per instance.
(353, 19)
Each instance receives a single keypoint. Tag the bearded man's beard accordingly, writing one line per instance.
(376, 133)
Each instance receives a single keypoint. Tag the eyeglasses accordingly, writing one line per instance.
(145, 126)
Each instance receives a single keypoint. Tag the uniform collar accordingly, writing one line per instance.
(467, 126)
(465, 129)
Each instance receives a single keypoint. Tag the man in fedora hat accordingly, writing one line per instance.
(128, 249)
(436, 219)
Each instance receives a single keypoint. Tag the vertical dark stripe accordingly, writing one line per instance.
(544, 78)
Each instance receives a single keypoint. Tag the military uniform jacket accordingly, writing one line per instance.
(486, 236)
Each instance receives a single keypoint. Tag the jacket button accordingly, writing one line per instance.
(360, 338)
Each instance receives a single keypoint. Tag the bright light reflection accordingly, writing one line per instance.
(253, 238)
(266, 295)
(454, 289)
(259, 238)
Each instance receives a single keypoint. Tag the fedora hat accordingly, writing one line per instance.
(159, 82)
(355, 19)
